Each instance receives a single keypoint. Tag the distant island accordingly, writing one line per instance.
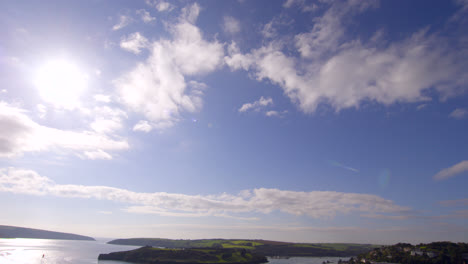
(152, 255)
(261, 247)
(22, 232)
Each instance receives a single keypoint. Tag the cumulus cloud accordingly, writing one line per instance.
(20, 134)
(134, 43)
(231, 25)
(145, 16)
(123, 22)
(257, 105)
(459, 113)
(315, 204)
(452, 171)
(157, 88)
(342, 72)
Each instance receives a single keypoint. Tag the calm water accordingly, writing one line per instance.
(30, 251)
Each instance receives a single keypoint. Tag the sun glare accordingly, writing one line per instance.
(61, 83)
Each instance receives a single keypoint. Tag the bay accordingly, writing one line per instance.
(51, 251)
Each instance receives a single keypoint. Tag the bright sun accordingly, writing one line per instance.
(61, 83)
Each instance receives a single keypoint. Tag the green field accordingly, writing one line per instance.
(265, 247)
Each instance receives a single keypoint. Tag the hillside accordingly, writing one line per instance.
(187, 256)
(432, 253)
(263, 247)
(22, 232)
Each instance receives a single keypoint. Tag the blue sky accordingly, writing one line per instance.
(316, 121)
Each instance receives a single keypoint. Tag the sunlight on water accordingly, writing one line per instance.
(45, 251)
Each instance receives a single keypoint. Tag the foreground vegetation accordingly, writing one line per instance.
(436, 252)
(151, 255)
(262, 247)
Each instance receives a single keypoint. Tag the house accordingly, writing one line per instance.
(432, 254)
(465, 258)
(416, 252)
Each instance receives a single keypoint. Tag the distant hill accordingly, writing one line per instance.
(22, 232)
(263, 247)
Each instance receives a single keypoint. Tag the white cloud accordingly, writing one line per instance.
(272, 113)
(160, 5)
(459, 113)
(344, 73)
(123, 22)
(450, 172)
(134, 43)
(231, 25)
(107, 120)
(315, 204)
(20, 134)
(42, 110)
(102, 98)
(145, 16)
(97, 154)
(157, 87)
(257, 105)
(143, 126)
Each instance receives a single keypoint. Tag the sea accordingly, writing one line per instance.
(51, 251)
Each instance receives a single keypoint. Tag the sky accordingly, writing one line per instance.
(294, 120)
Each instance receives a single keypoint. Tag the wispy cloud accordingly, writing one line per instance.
(460, 202)
(459, 113)
(143, 126)
(123, 22)
(256, 105)
(339, 165)
(231, 25)
(160, 5)
(134, 43)
(452, 171)
(304, 6)
(315, 204)
(145, 16)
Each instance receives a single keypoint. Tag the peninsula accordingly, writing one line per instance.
(152, 255)
(22, 232)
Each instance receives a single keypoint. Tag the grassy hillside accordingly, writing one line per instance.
(174, 256)
(264, 247)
